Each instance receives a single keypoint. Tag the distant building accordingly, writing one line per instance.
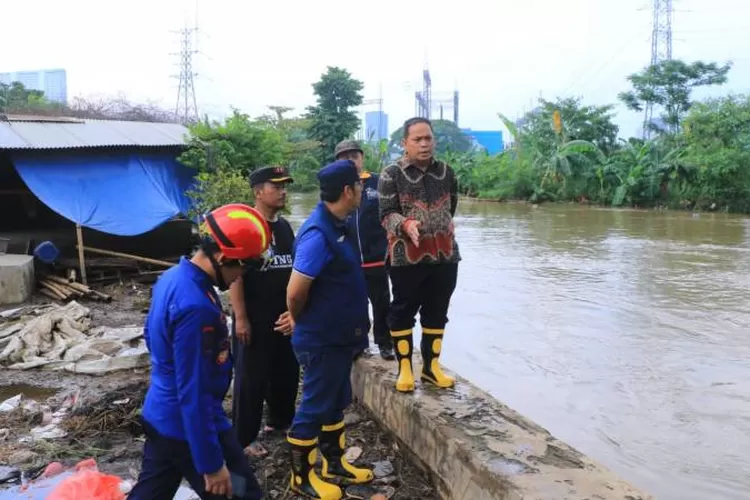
(487, 140)
(53, 82)
(376, 126)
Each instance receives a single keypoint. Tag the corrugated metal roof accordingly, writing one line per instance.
(65, 133)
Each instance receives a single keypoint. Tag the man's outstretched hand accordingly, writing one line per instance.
(411, 228)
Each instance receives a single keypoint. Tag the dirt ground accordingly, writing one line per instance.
(104, 421)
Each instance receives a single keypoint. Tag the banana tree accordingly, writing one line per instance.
(559, 165)
(642, 170)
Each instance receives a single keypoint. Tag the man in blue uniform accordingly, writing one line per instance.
(327, 298)
(373, 244)
(187, 433)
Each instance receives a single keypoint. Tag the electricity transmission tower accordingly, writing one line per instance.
(186, 110)
(661, 47)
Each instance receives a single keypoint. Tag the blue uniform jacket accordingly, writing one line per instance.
(335, 315)
(191, 366)
(372, 240)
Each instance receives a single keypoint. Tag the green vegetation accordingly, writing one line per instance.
(224, 153)
(698, 159)
(696, 156)
(332, 119)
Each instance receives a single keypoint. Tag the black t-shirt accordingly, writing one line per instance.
(265, 290)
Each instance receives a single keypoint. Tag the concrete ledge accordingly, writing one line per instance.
(476, 448)
(16, 278)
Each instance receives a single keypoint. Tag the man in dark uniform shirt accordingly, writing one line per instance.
(267, 369)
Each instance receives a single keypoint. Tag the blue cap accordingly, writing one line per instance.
(334, 176)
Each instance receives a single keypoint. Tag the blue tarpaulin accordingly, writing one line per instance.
(125, 194)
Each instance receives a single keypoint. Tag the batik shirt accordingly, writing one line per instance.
(429, 196)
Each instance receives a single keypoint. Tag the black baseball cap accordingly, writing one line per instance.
(270, 174)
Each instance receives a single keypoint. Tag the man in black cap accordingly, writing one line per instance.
(327, 298)
(266, 368)
(373, 244)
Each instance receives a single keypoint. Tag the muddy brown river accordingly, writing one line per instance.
(625, 333)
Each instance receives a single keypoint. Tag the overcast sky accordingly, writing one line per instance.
(500, 55)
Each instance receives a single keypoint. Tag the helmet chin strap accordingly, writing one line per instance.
(219, 277)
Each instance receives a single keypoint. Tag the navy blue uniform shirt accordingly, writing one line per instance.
(371, 237)
(336, 314)
(191, 365)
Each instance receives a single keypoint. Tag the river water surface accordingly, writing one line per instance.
(625, 333)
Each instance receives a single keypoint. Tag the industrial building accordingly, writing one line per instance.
(489, 140)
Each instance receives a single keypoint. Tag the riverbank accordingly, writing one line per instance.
(589, 203)
(65, 417)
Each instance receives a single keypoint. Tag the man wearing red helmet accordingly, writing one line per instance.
(187, 432)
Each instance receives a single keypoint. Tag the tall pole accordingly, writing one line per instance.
(661, 48)
(186, 110)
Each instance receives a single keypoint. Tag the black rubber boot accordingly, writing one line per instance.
(335, 465)
(432, 342)
(386, 352)
(304, 480)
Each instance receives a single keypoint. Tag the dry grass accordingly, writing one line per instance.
(116, 411)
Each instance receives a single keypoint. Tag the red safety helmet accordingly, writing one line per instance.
(241, 232)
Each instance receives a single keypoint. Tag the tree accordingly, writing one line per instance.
(15, 97)
(223, 154)
(300, 153)
(376, 155)
(581, 122)
(448, 138)
(670, 84)
(717, 148)
(295, 133)
(332, 119)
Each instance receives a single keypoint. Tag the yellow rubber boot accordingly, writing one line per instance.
(432, 342)
(304, 480)
(335, 465)
(402, 340)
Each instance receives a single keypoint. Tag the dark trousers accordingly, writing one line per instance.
(265, 371)
(425, 289)
(326, 391)
(380, 298)
(167, 461)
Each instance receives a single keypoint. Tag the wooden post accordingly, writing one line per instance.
(81, 260)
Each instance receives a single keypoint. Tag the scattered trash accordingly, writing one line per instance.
(61, 338)
(185, 493)
(353, 453)
(56, 483)
(9, 474)
(369, 492)
(118, 410)
(11, 404)
(382, 468)
(352, 418)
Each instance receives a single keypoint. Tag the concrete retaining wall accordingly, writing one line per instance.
(16, 278)
(476, 448)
